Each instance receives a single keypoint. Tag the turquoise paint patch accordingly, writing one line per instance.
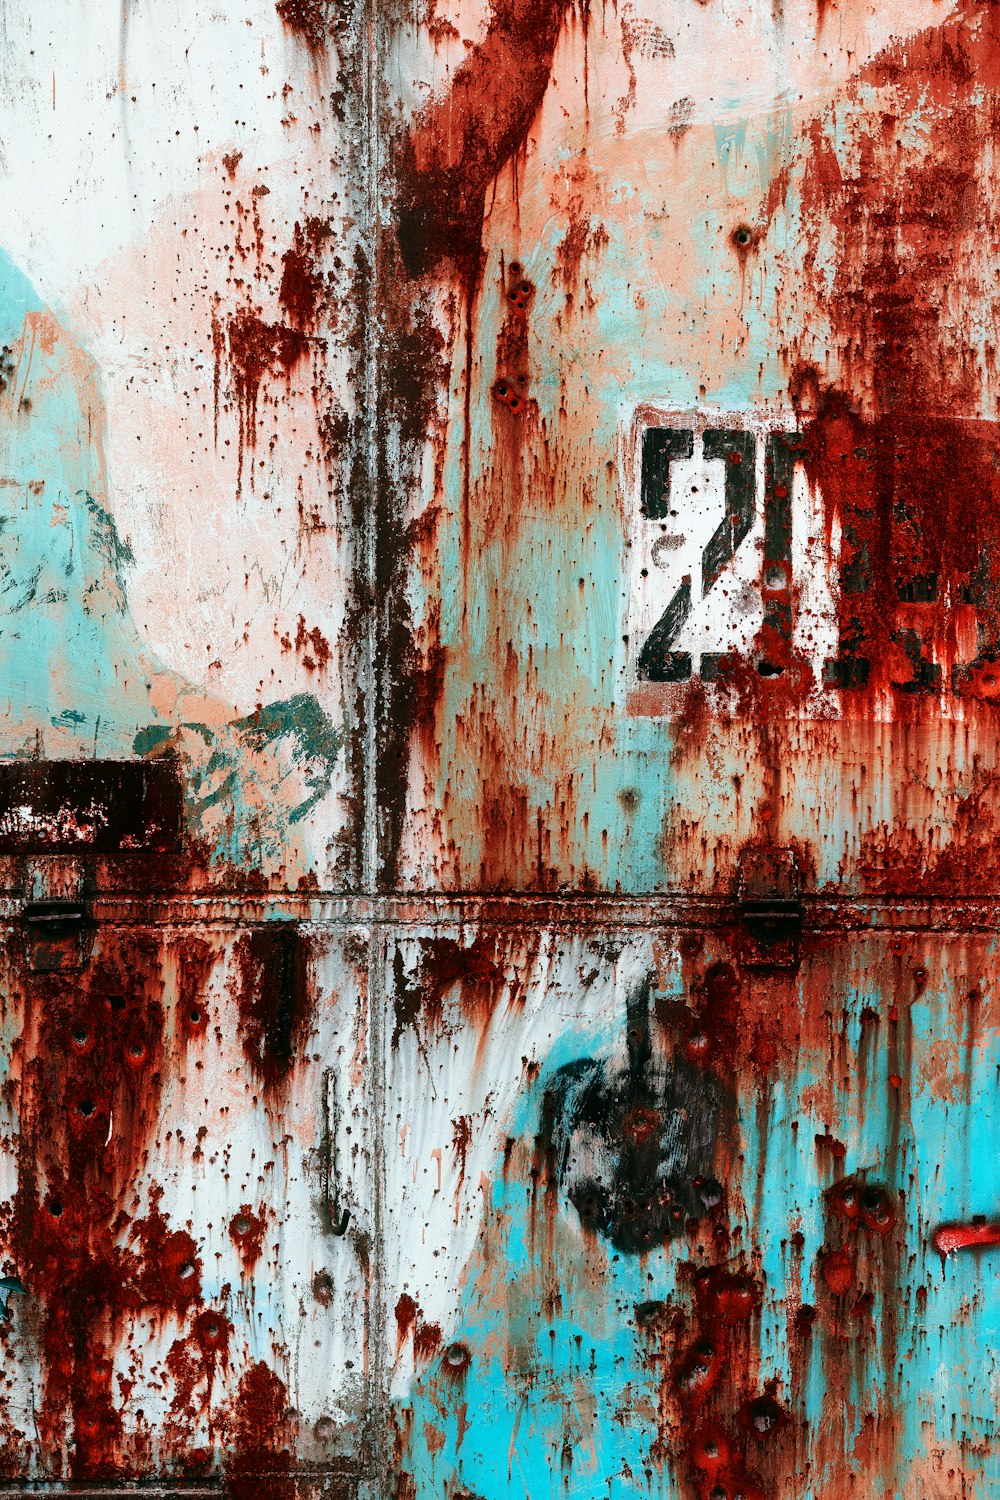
(262, 775)
(150, 738)
(559, 1399)
(75, 678)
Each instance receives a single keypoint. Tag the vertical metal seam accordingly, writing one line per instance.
(379, 1443)
(370, 396)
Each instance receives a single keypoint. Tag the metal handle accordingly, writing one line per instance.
(53, 913)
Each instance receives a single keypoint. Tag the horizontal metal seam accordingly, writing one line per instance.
(820, 914)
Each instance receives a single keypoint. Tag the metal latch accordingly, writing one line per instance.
(769, 905)
(58, 934)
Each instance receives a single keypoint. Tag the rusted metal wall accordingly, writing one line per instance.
(499, 670)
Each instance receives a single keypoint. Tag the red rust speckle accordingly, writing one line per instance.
(313, 647)
(837, 1270)
(443, 964)
(260, 1435)
(462, 142)
(901, 423)
(256, 351)
(426, 1340)
(212, 1331)
(426, 1336)
(830, 1143)
(94, 1063)
(700, 1369)
(309, 20)
(247, 1230)
(302, 289)
(726, 1296)
(406, 1315)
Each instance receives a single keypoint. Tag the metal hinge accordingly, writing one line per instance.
(769, 906)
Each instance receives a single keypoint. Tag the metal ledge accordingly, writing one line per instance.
(820, 913)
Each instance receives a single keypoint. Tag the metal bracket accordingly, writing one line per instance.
(769, 906)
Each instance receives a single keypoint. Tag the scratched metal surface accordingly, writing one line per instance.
(499, 690)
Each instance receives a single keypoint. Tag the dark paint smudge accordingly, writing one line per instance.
(658, 1175)
(274, 999)
(443, 964)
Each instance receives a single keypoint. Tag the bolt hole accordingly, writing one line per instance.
(194, 1017)
(80, 1037)
(55, 1208)
(241, 1224)
(85, 1107)
(187, 1269)
(116, 1002)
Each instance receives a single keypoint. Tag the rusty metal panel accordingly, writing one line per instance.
(187, 1208)
(186, 1125)
(674, 1228)
(687, 542)
(704, 548)
(179, 438)
(499, 667)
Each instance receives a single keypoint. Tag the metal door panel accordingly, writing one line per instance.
(186, 1175)
(179, 431)
(189, 1121)
(730, 217)
(655, 1202)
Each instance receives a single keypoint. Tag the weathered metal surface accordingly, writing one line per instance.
(730, 221)
(685, 1233)
(702, 592)
(499, 675)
